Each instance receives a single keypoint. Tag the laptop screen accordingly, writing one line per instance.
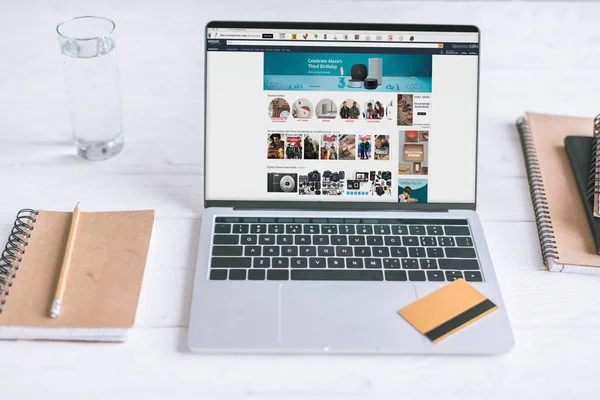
(306, 113)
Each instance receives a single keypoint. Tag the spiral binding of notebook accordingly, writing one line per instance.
(538, 194)
(14, 250)
(594, 181)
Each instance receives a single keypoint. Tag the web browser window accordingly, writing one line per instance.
(341, 116)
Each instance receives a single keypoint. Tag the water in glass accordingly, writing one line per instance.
(93, 92)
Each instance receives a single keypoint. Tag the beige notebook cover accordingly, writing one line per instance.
(566, 241)
(104, 281)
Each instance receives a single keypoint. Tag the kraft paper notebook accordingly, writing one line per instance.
(104, 282)
(566, 240)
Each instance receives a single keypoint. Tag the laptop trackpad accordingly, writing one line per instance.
(346, 316)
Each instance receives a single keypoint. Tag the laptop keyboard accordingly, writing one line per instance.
(336, 249)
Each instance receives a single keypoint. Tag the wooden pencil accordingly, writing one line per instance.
(66, 265)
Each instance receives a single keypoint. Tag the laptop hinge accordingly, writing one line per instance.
(445, 210)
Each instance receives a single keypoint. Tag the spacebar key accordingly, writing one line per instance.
(455, 263)
(337, 275)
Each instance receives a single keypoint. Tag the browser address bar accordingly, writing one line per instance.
(329, 44)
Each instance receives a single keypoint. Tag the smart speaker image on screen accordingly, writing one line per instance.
(335, 120)
(327, 109)
(354, 72)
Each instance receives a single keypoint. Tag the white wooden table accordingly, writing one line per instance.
(535, 56)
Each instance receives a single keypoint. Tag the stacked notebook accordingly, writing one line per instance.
(105, 278)
(561, 158)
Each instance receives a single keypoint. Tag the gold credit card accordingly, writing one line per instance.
(447, 310)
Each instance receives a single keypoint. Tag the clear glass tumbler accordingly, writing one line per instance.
(91, 74)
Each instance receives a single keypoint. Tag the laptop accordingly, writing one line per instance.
(339, 186)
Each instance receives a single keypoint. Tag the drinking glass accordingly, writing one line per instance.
(89, 55)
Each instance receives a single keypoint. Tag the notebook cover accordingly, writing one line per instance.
(575, 245)
(579, 150)
(106, 273)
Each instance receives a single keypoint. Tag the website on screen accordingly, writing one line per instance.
(359, 117)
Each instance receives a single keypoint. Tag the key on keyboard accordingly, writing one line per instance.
(336, 249)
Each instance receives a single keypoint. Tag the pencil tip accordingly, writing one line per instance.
(55, 310)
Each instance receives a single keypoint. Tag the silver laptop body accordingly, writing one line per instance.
(281, 268)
